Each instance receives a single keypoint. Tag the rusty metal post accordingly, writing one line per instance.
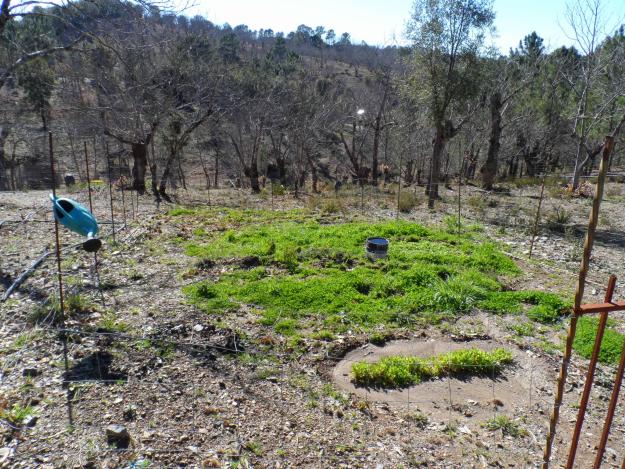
(60, 279)
(537, 219)
(121, 183)
(108, 162)
(88, 178)
(615, 391)
(459, 196)
(579, 294)
(95, 254)
(590, 376)
(399, 187)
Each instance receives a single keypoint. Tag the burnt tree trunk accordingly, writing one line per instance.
(435, 166)
(313, 172)
(251, 172)
(490, 166)
(216, 168)
(376, 139)
(162, 187)
(4, 134)
(140, 163)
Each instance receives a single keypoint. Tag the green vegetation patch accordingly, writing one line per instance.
(307, 275)
(611, 344)
(400, 371)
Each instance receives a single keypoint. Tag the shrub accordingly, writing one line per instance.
(477, 204)
(407, 201)
(419, 419)
(557, 219)
(506, 425)
(331, 206)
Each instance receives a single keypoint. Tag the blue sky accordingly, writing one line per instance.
(382, 22)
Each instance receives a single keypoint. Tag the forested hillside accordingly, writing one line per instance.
(173, 96)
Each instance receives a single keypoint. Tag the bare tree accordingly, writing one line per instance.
(447, 36)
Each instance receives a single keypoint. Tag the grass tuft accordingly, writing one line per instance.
(399, 371)
(507, 426)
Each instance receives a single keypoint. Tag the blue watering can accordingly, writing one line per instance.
(77, 218)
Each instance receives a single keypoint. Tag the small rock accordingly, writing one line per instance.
(130, 413)
(464, 429)
(118, 436)
(30, 421)
(5, 454)
(31, 372)
(198, 328)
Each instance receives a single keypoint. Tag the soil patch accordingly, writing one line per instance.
(472, 396)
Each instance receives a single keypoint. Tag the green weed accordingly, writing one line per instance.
(506, 425)
(16, 414)
(399, 371)
(611, 345)
(419, 419)
(313, 274)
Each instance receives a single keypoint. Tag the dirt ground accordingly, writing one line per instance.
(193, 390)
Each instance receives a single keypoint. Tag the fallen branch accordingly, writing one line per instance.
(27, 273)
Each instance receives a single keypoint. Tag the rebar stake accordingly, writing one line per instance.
(108, 162)
(60, 278)
(579, 294)
(95, 254)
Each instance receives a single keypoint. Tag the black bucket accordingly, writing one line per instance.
(376, 248)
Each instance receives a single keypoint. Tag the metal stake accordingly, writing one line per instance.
(121, 183)
(95, 254)
(60, 278)
(108, 162)
(615, 392)
(590, 376)
(399, 187)
(579, 294)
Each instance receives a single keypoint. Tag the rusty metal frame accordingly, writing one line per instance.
(602, 309)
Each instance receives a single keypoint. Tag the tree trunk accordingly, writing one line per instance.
(162, 187)
(435, 169)
(216, 168)
(313, 173)
(530, 160)
(13, 167)
(181, 174)
(281, 163)
(140, 162)
(4, 134)
(251, 172)
(409, 172)
(376, 148)
(489, 169)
